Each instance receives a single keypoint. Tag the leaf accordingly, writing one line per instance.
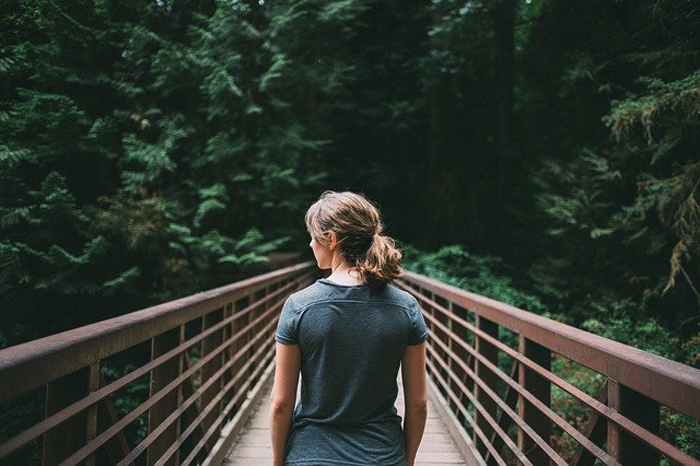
(279, 62)
(253, 110)
(600, 232)
(124, 278)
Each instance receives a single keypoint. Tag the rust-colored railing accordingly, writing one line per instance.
(492, 365)
(203, 359)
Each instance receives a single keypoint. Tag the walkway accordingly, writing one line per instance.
(252, 447)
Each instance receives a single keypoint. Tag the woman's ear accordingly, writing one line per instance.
(334, 241)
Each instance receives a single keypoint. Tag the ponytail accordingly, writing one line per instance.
(357, 223)
(382, 263)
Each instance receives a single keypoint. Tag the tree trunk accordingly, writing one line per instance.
(503, 14)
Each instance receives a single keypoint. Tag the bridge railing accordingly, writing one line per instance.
(202, 360)
(207, 357)
(493, 367)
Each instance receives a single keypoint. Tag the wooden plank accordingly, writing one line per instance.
(231, 430)
(453, 427)
(252, 445)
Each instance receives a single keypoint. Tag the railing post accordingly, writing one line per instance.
(236, 325)
(542, 390)
(639, 409)
(160, 377)
(462, 334)
(228, 332)
(260, 310)
(91, 431)
(209, 344)
(249, 335)
(451, 365)
(69, 436)
(483, 373)
(442, 336)
(428, 309)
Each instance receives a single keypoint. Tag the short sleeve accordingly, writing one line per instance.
(287, 327)
(419, 331)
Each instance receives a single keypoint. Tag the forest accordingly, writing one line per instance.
(540, 152)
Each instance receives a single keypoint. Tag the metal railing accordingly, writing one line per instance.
(492, 365)
(206, 357)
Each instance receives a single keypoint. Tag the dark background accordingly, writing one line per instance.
(153, 149)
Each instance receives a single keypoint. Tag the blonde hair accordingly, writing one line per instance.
(357, 223)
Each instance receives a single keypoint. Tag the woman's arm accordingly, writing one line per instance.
(415, 388)
(284, 394)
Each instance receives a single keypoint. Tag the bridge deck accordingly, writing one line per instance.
(252, 447)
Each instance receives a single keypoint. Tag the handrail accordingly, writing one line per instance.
(33, 364)
(636, 369)
(463, 357)
(197, 402)
(189, 400)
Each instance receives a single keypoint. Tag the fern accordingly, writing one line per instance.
(6, 64)
(12, 158)
(279, 63)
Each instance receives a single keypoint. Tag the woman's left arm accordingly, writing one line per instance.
(283, 398)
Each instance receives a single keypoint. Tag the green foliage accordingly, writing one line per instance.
(567, 406)
(47, 255)
(615, 184)
(668, 108)
(485, 275)
(147, 152)
(681, 431)
(150, 150)
(645, 333)
(129, 398)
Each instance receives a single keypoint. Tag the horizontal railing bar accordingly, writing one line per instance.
(553, 455)
(95, 443)
(33, 364)
(659, 444)
(145, 443)
(465, 412)
(546, 410)
(668, 382)
(95, 397)
(236, 398)
(492, 422)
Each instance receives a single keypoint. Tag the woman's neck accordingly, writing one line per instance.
(342, 273)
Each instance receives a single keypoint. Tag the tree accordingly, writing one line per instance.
(618, 209)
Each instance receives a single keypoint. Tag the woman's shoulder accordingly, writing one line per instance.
(306, 296)
(319, 292)
(400, 296)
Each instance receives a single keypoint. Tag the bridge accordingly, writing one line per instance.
(204, 364)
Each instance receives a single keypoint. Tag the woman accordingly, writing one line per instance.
(348, 334)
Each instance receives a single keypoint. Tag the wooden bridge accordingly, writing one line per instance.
(197, 369)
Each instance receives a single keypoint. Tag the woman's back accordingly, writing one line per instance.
(352, 339)
(347, 335)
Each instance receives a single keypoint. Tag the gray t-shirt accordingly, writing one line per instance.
(352, 339)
